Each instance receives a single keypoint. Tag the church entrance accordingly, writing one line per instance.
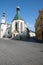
(42, 35)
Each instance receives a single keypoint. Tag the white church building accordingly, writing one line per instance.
(19, 27)
(4, 27)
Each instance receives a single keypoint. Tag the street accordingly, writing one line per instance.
(16, 52)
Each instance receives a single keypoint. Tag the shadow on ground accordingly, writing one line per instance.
(31, 39)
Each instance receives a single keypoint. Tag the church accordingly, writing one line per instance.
(17, 29)
(5, 28)
(18, 26)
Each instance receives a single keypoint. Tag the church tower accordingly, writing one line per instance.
(3, 25)
(3, 18)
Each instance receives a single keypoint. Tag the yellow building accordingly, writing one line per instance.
(39, 26)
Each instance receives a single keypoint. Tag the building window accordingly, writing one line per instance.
(21, 26)
(8, 32)
(16, 26)
(41, 20)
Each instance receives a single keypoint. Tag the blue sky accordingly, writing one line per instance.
(29, 10)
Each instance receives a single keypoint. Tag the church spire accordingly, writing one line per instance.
(18, 10)
(17, 16)
(3, 18)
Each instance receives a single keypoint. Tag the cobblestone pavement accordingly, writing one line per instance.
(14, 52)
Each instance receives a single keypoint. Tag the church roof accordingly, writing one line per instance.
(17, 16)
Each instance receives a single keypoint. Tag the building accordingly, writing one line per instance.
(4, 27)
(31, 33)
(8, 31)
(39, 26)
(19, 26)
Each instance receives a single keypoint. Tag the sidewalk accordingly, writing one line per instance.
(6, 38)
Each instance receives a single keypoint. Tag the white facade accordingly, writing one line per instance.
(3, 29)
(8, 31)
(18, 25)
(19, 30)
(32, 34)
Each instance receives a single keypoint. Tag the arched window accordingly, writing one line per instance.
(21, 26)
(16, 26)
